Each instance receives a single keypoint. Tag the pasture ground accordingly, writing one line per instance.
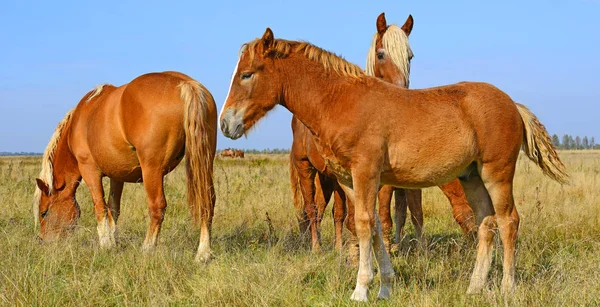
(558, 256)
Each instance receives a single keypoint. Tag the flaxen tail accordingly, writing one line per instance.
(538, 146)
(199, 148)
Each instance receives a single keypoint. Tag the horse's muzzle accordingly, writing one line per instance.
(232, 125)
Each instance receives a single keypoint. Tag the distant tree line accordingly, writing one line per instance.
(22, 153)
(267, 151)
(568, 142)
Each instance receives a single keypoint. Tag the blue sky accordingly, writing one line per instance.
(544, 54)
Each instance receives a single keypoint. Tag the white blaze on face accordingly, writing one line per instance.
(226, 97)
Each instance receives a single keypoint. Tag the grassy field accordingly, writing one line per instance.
(558, 256)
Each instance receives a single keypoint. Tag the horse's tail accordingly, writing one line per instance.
(199, 148)
(538, 146)
(297, 197)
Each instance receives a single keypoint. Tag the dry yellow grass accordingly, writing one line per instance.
(558, 257)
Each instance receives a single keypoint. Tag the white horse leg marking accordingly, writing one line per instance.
(383, 260)
(204, 251)
(365, 270)
(104, 234)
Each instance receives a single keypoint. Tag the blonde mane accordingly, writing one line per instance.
(330, 61)
(95, 92)
(47, 174)
(395, 42)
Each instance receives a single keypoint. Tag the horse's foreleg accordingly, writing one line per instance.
(106, 223)
(368, 230)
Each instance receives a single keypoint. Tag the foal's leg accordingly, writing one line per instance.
(461, 211)
(385, 216)
(106, 223)
(368, 231)
(498, 181)
(400, 215)
(414, 200)
(157, 203)
(480, 201)
(114, 203)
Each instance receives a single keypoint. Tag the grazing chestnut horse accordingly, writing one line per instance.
(228, 153)
(132, 133)
(239, 154)
(468, 130)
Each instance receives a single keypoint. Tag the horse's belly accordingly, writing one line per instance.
(424, 167)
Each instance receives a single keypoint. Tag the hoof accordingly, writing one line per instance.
(472, 290)
(203, 257)
(359, 295)
(384, 293)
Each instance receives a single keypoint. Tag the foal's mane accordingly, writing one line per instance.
(395, 42)
(283, 48)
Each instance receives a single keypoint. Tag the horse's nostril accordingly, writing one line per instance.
(223, 125)
(238, 129)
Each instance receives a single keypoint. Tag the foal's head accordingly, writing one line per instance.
(390, 54)
(253, 89)
(58, 210)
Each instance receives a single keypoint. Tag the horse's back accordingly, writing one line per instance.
(141, 120)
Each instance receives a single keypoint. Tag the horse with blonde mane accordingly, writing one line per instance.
(478, 129)
(389, 59)
(313, 185)
(137, 132)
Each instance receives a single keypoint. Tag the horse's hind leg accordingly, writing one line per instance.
(461, 211)
(414, 200)
(339, 214)
(385, 215)
(306, 174)
(157, 203)
(498, 181)
(400, 213)
(480, 201)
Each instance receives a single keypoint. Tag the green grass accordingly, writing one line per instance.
(558, 255)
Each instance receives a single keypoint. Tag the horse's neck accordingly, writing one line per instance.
(312, 98)
(65, 167)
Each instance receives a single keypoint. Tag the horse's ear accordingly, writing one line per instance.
(268, 39)
(408, 25)
(42, 186)
(381, 24)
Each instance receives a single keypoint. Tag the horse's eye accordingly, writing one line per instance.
(246, 75)
(43, 214)
(380, 55)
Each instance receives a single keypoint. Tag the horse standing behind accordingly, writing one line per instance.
(228, 153)
(478, 129)
(137, 132)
